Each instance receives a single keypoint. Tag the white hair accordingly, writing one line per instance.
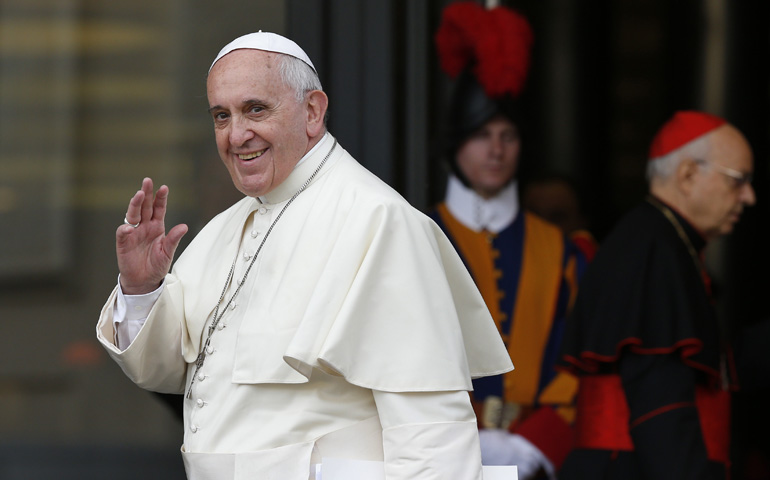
(661, 168)
(298, 75)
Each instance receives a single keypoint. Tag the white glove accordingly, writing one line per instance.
(498, 447)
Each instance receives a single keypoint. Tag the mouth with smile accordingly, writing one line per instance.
(734, 216)
(250, 156)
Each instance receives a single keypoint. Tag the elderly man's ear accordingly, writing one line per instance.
(317, 103)
(686, 174)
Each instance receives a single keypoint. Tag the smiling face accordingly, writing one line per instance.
(261, 130)
(489, 157)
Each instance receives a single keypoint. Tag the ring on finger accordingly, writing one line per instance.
(125, 220)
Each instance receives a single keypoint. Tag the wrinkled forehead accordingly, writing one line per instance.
(246, 74)
(245, 60)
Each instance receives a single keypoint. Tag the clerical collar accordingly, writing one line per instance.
(301, 172)
(478, 213)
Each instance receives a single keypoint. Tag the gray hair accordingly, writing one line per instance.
(661, 168)
(298, 75)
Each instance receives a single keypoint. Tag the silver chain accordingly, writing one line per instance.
(218, 316)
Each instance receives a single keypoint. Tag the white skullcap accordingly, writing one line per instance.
(269, 42)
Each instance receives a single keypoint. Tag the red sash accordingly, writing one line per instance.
(602, 417)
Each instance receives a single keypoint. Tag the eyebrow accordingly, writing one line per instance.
(244, 103)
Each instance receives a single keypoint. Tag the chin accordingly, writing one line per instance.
(494, 188)
(727, 229)
(253, 189)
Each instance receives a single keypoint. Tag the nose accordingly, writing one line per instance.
(496, 146)
(748, 196)
(240, 131)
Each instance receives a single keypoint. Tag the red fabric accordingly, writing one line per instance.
(659, 411)
(602, 414)
(549, 432)
(496, 42)
(585, 242)
(684, 127)
(603, 419)
(714, 409)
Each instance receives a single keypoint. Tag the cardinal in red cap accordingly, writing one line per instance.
(713, 161)
(654, 399)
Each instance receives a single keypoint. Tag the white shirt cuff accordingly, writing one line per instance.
(130, 313)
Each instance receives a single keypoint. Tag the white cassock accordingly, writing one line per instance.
(355, 335)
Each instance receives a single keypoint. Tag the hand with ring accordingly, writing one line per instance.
(143, 247)
(125, 221)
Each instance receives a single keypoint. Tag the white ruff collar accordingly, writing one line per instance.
(477, 213)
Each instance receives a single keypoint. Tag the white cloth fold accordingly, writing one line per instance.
(438, 457)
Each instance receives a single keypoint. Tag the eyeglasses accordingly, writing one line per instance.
(739, 178)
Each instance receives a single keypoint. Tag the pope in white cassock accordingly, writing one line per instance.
(320, 316)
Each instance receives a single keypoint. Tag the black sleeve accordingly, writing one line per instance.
(664, 423)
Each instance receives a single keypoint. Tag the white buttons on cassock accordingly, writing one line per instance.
(209, 349)
(221, 326)
(193, 428)
(254, 234)
(201, 377)
(200, 402)
(246, 256)
(262, 210)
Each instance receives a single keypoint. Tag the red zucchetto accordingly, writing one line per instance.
(682, 128)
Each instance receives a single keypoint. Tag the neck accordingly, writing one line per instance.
(313, 141)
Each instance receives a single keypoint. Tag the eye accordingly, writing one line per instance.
(510, 135)
(255, 110)
(219, 116)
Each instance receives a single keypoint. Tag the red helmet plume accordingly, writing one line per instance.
(496, 43)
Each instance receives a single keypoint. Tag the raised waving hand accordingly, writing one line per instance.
(143, 248)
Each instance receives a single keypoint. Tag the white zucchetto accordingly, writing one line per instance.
(269, 42)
